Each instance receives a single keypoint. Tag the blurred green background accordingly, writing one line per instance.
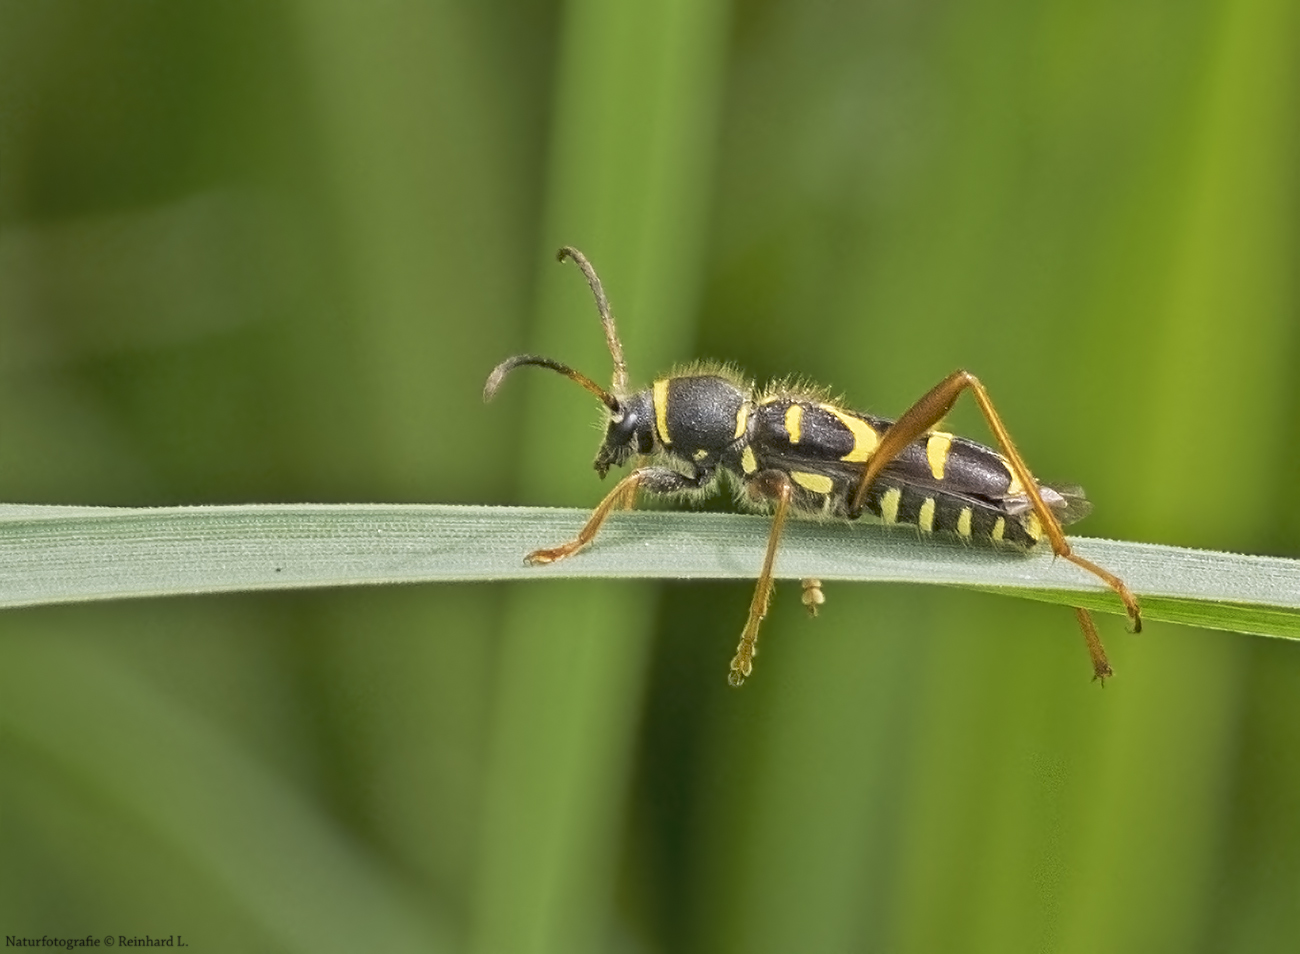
(268, 251)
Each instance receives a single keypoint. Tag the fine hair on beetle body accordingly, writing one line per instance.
(790, 449)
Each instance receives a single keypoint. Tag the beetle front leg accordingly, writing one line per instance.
(655, 480)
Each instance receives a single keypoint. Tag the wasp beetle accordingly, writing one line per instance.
(791, 450)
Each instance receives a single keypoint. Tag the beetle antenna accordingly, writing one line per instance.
(509, 364)
(606, 316)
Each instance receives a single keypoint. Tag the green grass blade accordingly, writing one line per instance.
(68, 554)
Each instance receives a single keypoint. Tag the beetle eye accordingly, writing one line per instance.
(622, 429)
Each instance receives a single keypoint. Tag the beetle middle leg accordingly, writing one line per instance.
(769, 485)
(812, 597)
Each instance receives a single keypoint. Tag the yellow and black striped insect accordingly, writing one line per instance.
(788, 450)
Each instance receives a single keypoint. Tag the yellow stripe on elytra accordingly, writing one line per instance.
(817, 483)
(936, 452)
(742, 420)
(889, 505)
(998, 529)
(660, 398)
(747, 461)
(1015, 488)
(865, 437)
(963, 522)
(794, 422)
(926, 519)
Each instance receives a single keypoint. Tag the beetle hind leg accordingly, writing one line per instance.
(925, 414)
